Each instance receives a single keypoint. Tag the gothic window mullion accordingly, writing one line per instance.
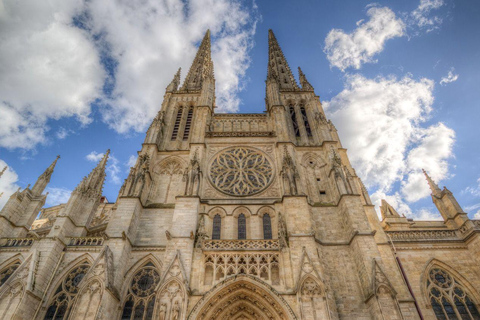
(294, 121)
(301, 125)
(306, 123)
(176, 125)
(188, 124)
(183, 122)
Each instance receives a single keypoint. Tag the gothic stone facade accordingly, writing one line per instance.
(235, 216)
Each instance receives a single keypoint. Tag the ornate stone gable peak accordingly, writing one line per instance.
(175, 270)
(307, 268)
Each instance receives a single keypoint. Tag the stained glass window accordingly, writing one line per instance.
(267, 226)
(62, 300)
(448, 298)
(7, 272)
(140, 301)
(242, 226)
(217, 227)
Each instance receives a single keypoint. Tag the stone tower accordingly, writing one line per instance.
(236, 216)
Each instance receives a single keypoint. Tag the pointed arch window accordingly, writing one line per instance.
(305, 121)
(8, 271)
(267, 226)
(140, 300)
(293, 117)
(176, 126)
(62, 300)
(217, 227)
(188, 124)
(242, 226)
(449, 299)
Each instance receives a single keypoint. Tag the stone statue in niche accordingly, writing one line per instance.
(201, 232)
(289, 174)
(162, 312)
(176, 311)
(340, 173)
(192, 177)
(282, 231)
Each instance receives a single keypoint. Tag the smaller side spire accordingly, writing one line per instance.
(306, 86)
(433, 186)
(92, 184)
(44, 178)
(173, 86)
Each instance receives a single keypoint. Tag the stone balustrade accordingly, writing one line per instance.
(269, 244)
(85, 241)
(18, 242)
(423, 235)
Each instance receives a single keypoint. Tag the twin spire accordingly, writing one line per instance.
(278, 69)
(202, 66)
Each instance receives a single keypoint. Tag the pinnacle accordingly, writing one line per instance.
(278, 68)
(433, 186)
(202, 65)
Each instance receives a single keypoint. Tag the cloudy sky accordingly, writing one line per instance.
(398, 78)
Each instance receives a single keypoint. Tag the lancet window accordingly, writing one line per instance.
(267, 226)
(8, 271)
(63, 297)
(305, 121)
(293, 116)
(449, 299)
(242, 226)
(140, 300)
(217, 227)
(188, 124)
(176, 126)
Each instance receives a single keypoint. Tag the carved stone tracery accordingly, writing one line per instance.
(241, 171)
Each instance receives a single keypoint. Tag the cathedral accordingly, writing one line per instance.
(235, 216)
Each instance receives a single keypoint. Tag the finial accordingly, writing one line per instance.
(433, 186)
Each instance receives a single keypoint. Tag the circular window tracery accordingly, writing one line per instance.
(241, 171)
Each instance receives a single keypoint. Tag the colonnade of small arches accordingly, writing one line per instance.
(242, 224)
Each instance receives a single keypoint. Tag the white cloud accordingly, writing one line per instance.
(451, 77)
(368, 39)
(55, 59)
(113, 168)
(474, 191)
(49, 69)
(131, 161)
(151, 39)
(381, 122)
(57, 196)
(8, 183)
(94, 156)
(62, 133)
(421, 17)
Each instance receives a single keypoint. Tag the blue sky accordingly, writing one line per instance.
(398, 78)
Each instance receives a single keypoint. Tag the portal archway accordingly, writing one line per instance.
(242, 297)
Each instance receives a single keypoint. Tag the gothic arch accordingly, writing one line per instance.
(312, 299)
(209, 226)
(8, 267)
(443, 287)
(242, 295)
(170, 185)
(136, 266)
(138, 298)
(83, 306)
(63, 292)
(242, 220)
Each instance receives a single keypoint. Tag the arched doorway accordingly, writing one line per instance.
(242, 297)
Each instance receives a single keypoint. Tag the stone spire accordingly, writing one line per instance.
(92, 185)
(173, 86)
(388, 211)
(306, 86)
(202, 66)
(433, 186)
(4, 169)
(278, 68)
(44, 179)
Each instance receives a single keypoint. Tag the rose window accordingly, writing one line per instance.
(241, 171)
